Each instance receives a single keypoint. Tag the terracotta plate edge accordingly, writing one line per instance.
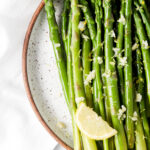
(25, 76)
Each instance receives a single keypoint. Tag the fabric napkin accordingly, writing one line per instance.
(19, 127)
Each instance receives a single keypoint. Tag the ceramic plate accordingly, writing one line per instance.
(41, 78)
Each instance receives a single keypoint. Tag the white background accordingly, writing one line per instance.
(19, 127)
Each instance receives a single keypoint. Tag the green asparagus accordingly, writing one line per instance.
(65, 22)
(145, 49)
(76, 132)
(104, 79)
(140, 143)
(111, 79)
(144, 18)
(54, 35)
(58, 51)
(92, 30)
(77, 70)
(86, 50)
(128, 75)
(119, 49)
(141, 91)
(144, 6)
(97, 65)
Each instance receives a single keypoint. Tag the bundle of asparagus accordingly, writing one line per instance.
(106, 46)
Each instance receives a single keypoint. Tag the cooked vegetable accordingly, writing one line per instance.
(58, 50)
(111, 78)
(86, 60)
(128, 75)
(76, 132)
(145, 49)
(55, 38)
(141, 92)
(64, 28)
(107, 71)
(77, 71)
(139, 133)
(119, 49)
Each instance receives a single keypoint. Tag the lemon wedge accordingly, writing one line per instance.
(93, 126)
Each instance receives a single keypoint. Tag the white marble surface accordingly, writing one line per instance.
(19, 127)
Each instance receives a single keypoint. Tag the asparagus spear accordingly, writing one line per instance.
(141, 91)
(140, 143)
(91, 26)
(140, 140)
(92, 30)
(75, 46)
(89, 144)
(55, 38)
(143, 4)
(108, 110)
(93, 35)
(98, 54)
(107, 105)
(119, 47)
(97, 43)
(145, 49)
(90, 20)
(111, 81)
(144, 18)
(128, 75)
(97, 65)
(86, 60)
(65, 22)
(76, 132)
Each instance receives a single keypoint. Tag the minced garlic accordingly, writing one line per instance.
(138, 97)
(90, 77)
(61, 125)
(82, 25)
(112, 33)
(121, 113)
(79, 99)
(116, 50)
(57, 45)
(85, 37)
(122, 19)
(100, 60)
(135, 46)
(107, 73)
(145, 44)
(122, 61)
(135, 116)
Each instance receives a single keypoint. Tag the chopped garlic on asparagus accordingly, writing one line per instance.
(90, 77)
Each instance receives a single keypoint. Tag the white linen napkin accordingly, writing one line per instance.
(19, 127)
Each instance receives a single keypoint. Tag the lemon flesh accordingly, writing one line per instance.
(92, 125)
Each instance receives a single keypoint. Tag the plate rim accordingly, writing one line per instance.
(25, 76)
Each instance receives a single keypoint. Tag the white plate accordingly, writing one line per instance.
(44, 81)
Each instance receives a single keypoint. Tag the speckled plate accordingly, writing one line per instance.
(41, 78)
